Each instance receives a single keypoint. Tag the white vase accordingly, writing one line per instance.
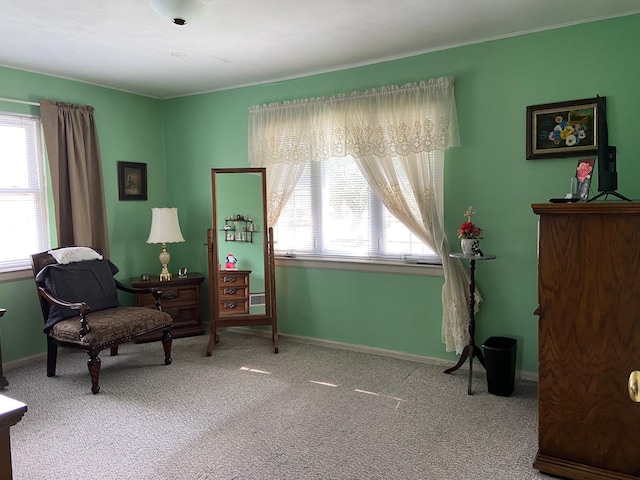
(469, 245)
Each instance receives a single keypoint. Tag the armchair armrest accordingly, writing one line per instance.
(81, 307)
(153, 291)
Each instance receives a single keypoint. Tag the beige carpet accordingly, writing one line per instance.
(309, 412)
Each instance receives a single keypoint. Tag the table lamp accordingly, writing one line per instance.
(165, 229)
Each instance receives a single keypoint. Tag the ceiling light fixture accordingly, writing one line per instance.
(179, 12)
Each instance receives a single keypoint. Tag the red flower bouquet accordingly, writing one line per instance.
(468, 229)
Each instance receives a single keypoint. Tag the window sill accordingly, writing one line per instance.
(357, 265)
(15, 275)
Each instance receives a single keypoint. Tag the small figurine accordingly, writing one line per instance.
(230, 262)
(475, 249)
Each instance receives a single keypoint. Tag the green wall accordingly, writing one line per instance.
(130, 129)
(495, 82)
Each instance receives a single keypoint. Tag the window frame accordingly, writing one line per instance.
(20, 268)
(389, 263)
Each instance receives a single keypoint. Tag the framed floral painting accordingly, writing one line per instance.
(563, 129)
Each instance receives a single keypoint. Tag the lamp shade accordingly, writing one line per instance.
(179, 12)
(164, 226)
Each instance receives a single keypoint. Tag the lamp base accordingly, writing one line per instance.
(165, 276)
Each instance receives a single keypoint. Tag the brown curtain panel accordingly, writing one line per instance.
(71, 139)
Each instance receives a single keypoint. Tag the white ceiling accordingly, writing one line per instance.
(124, 44)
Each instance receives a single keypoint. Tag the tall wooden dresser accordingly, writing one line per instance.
(589, 339)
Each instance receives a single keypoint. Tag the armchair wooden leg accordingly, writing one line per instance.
(52, 357)
(166, 344)
(94, 371)
(114, 350)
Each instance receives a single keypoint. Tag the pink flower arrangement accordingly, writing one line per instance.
(584, 171)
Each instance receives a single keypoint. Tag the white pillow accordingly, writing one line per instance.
(74, 254)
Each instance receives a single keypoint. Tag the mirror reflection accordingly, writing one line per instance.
(240, 249)
(240, 231)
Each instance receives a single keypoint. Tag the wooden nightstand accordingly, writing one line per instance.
(180, 299)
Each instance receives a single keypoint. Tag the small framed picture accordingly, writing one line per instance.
(564, 129)
(132, 181)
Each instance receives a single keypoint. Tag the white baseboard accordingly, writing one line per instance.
(524, 375)
(21, 362)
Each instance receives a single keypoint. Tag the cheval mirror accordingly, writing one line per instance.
(240, 250)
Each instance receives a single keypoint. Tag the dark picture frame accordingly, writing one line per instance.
(562, 129)
(132, 181)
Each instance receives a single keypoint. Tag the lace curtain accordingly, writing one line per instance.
(391, 132)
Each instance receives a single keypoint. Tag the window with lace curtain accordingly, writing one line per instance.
(333, 213)
(396, 136)
(23, 204)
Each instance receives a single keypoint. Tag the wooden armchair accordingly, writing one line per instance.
(78, 297)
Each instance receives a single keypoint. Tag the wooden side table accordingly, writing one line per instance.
(3, 379)
(11, 412)
(471, 350)
(180, 299)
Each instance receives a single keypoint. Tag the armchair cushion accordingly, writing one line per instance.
(90, 281)
(111, 326)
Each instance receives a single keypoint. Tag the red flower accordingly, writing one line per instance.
(469, 230)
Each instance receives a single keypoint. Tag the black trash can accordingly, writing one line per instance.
(500, 363)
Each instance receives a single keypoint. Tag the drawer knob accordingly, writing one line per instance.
(230, 291)
(229, 279)
(634, 386)
(169, 294)
(230, 305)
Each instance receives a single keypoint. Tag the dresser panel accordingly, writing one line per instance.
(589, 339)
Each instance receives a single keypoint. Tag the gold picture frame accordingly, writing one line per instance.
(562, 129)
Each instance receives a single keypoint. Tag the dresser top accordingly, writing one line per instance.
(591, 208)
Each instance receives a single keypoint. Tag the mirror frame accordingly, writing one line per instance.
(269, 317)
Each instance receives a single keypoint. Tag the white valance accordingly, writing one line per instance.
(385, 122)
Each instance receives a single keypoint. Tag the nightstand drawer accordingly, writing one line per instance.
(185, 315)
(230, 279)
(233, 293)
(173, 295)
(234, 307)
